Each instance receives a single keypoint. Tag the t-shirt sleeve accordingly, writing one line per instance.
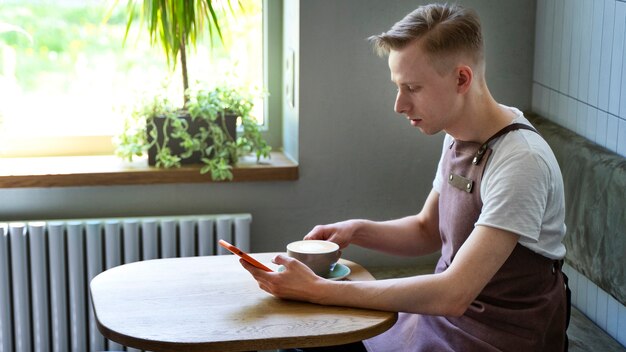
(515, 194)
(437, 182)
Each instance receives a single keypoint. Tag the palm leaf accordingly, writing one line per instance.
(175, 24)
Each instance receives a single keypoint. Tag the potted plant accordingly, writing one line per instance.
(203, 129)
(205, 134)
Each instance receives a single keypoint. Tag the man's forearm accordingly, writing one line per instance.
(405, 236)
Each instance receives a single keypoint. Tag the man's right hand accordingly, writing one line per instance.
(340, 232)
(411, 235)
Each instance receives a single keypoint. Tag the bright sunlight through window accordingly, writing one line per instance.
(67, 81)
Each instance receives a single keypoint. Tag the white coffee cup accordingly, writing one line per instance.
(320, 256)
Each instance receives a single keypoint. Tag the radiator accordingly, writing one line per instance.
(46, 266)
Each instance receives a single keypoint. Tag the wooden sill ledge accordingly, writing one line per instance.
(109, 170)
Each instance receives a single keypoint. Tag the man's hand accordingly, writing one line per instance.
(296, 282)
(340, 232)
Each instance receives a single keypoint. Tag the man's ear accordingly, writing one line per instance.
(464, 77)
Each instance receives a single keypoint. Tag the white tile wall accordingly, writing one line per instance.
(601, 127)
(585, 49)
(611, 132)
(566, 48)
(617, 58)
(621, 137)
(605, 57)
(581, 118)
(599, 306)
(602, 309)
(592, 123)
(575, 52)
(580, 83)
(557, 37)
(621, 325)
(612, 318)
(580, 68)
(596, 52)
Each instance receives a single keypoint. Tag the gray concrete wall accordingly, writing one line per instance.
(357, 157)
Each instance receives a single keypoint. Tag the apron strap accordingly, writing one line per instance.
(505, 130)
(568, 295)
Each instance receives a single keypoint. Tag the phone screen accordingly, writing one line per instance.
(243, 255)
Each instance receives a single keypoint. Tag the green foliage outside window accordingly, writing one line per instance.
(77, 78)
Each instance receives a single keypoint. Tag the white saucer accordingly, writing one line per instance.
(339, 272)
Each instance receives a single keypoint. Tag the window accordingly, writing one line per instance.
(67, 90)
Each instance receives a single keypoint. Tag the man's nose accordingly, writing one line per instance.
(400, 105)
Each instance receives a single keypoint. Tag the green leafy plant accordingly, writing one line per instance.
(176, 25)
(218, 150)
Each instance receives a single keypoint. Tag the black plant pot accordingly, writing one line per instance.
(174, 143)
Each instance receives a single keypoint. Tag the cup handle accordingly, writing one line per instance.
(333, 265)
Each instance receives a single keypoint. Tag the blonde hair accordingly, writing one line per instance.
(445, 30)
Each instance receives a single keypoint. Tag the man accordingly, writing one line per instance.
(496, 210)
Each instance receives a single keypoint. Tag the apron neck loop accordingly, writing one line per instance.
(512, 127)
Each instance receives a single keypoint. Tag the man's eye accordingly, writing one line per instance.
(407, 88)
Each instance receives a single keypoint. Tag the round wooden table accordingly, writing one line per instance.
(213, 304)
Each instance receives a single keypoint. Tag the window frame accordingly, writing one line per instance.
(272, 71)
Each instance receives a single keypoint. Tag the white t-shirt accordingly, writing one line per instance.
(522, 190)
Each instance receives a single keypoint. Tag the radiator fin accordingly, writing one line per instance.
(46, 267)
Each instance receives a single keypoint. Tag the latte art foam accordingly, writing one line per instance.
(313, 246)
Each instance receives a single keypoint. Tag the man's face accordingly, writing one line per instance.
(426, 97)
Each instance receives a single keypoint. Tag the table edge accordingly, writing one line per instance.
(258, 344)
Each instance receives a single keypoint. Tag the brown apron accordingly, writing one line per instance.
(522, 308)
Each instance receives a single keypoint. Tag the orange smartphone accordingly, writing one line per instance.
(243, 255)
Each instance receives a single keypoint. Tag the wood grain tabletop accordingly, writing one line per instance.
(213, 304)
